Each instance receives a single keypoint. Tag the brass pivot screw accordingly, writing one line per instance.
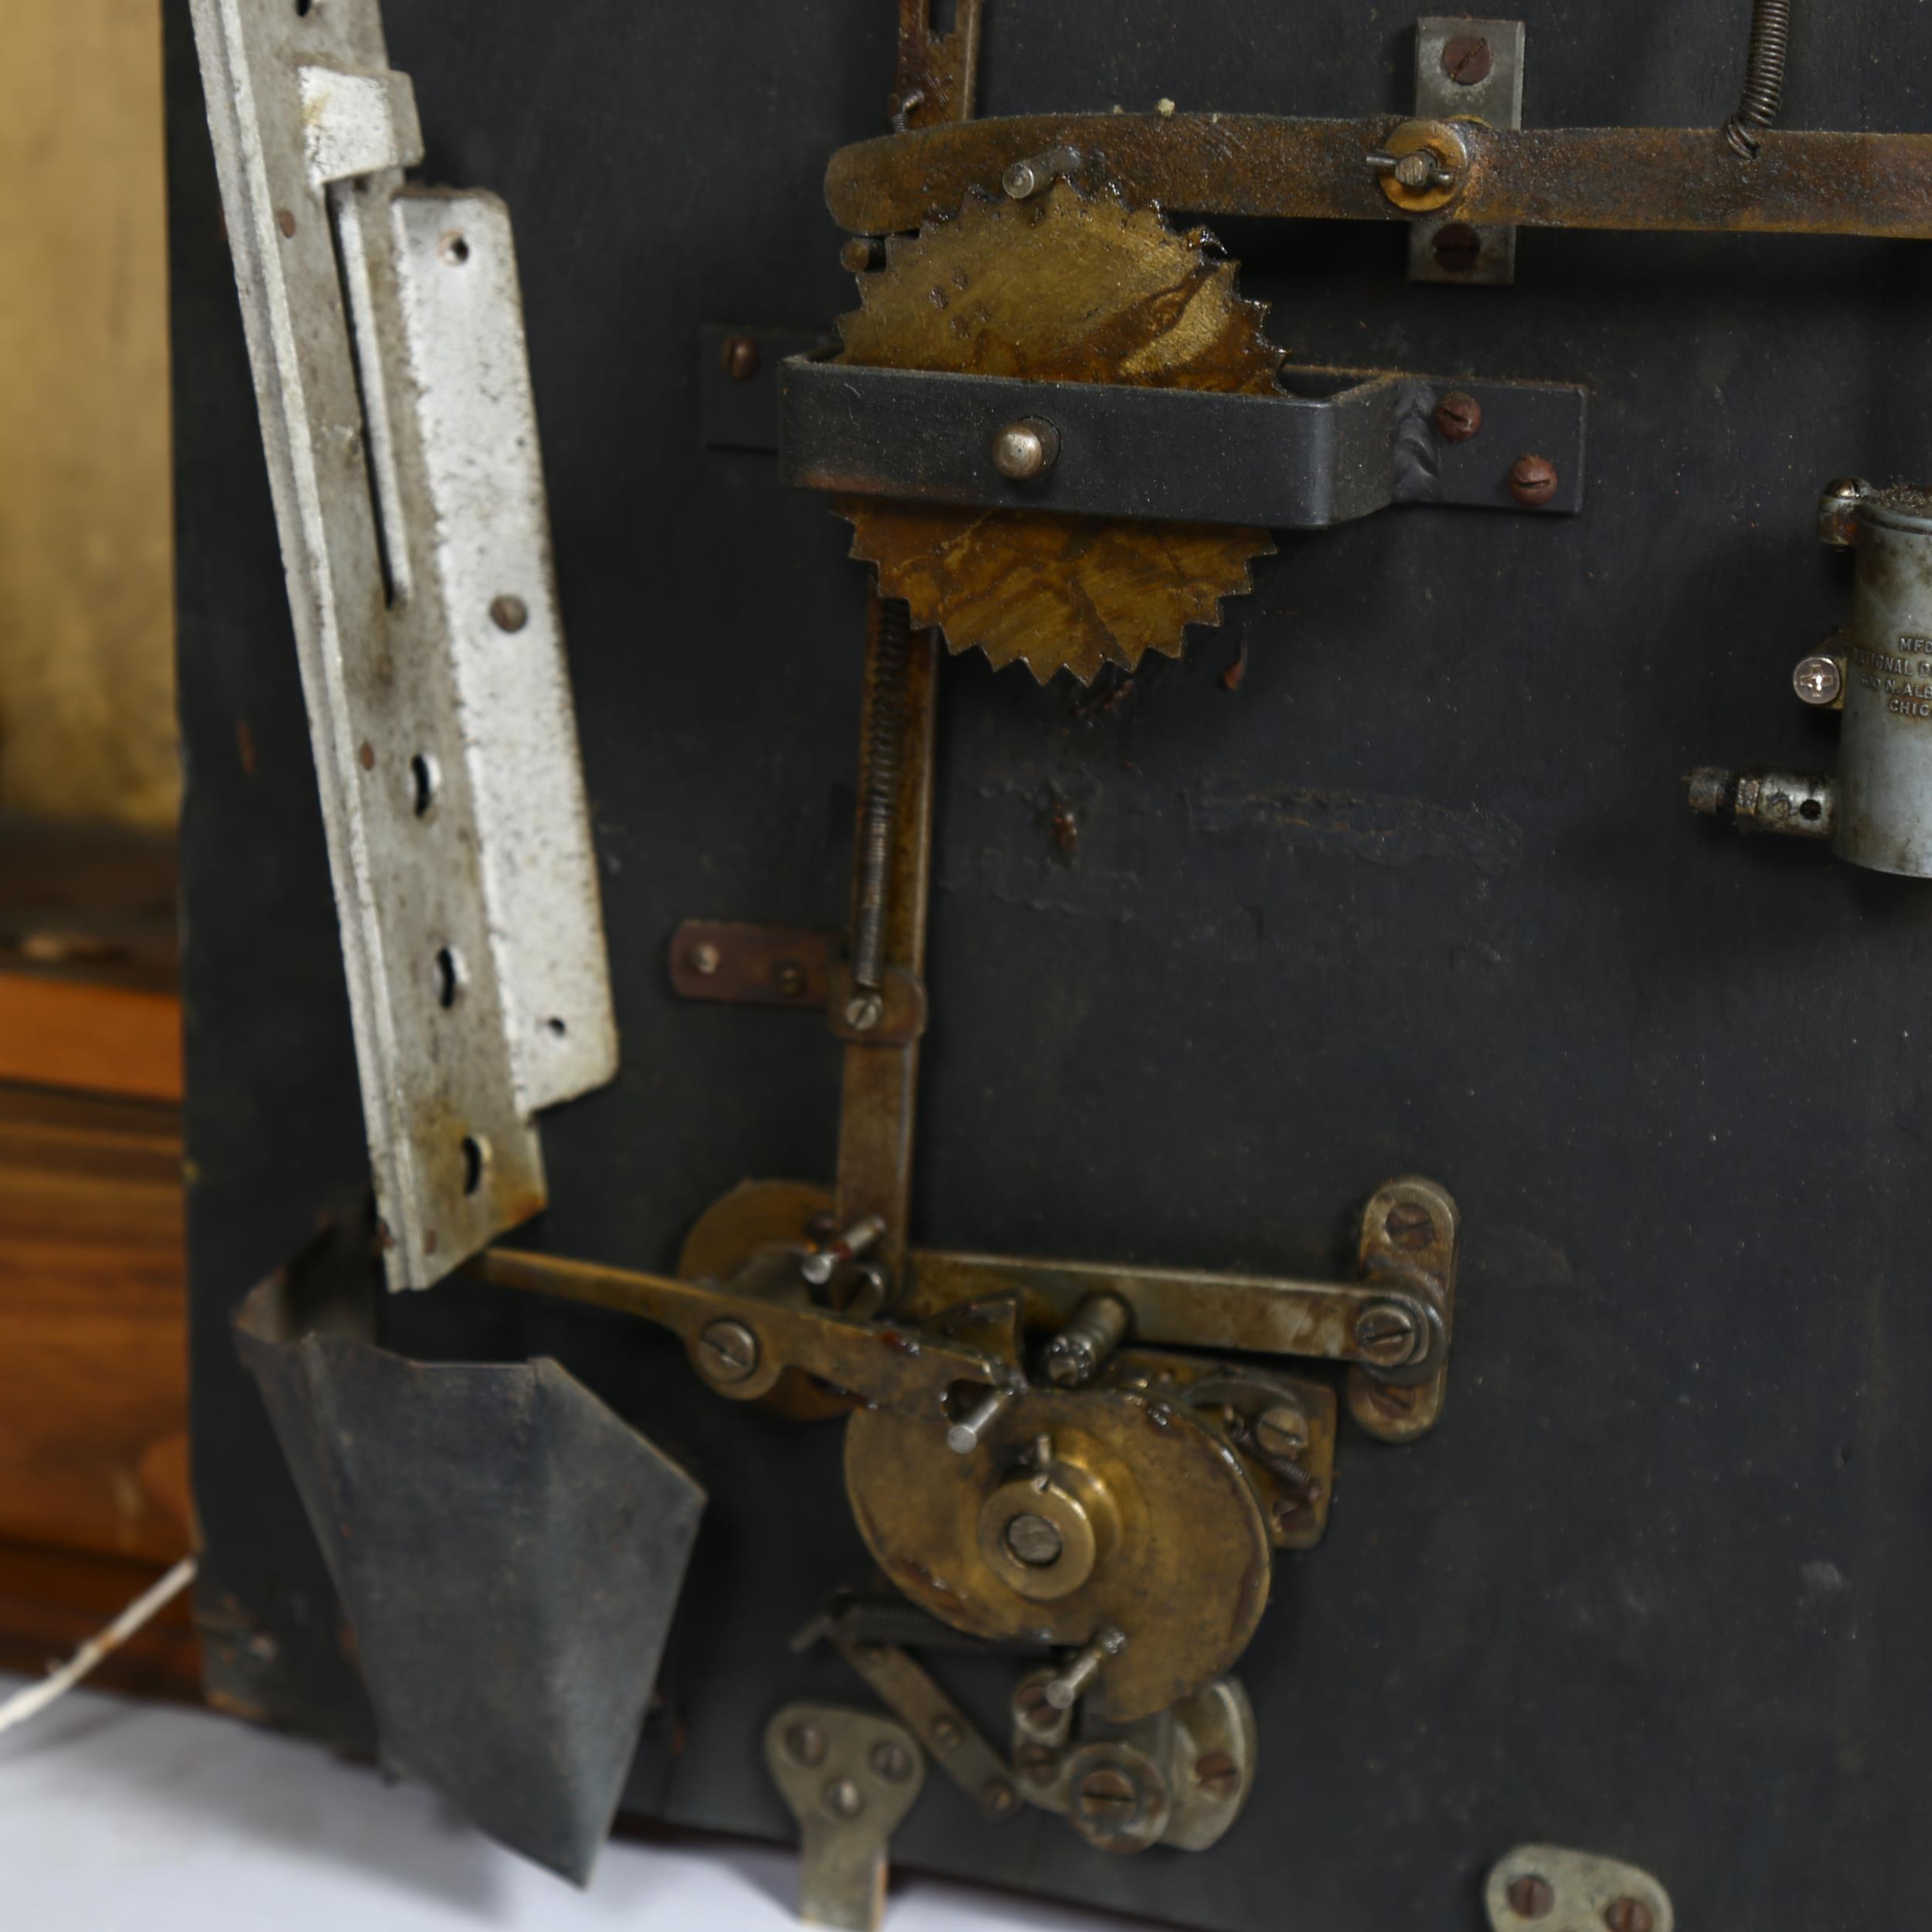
(1628, 1915)
(729, 1351)
(861, 253)
(1532, 481)
(1386, 1334)
(891, 1761)
(1530, 1896)
(1024, 450)
(864, 1011)
(1282, 1430)
(1218, 1775)
(1063, 1691)
(806, 1743)
(1459, 416)
(843, 1799)
(1819, 679)
(1110, 1795)
(739, 358)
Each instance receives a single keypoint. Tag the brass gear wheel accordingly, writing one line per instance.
(1065, 288)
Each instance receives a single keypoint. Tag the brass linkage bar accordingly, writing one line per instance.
(1802, 182)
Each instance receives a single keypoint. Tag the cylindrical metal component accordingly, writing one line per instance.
(1763, 76)
(1800, 805)
(1837, 511)
(818, 1268)
(963, 1437)
(1024, 450)
(1074, 1356)
(1063, 1691)
(1885, 758)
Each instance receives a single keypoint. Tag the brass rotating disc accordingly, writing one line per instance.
(1179, 1559)
(1064, 287)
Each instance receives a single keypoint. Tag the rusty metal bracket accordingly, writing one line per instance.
(1466, 70)
(938, 74)
(1683, 179)
(751, 965)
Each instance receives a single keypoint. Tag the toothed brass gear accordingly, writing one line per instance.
(1065, 288)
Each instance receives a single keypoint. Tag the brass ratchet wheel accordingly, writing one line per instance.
(1063, 287)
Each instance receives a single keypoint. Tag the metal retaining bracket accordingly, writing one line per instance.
(1466, 70)
(385, 328)
(1334, 446)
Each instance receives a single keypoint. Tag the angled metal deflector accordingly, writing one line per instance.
(385, 328)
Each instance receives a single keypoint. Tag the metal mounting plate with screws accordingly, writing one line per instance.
(1466, 70)
(1543, 1888)
(1333, 446)
(385, 327)
(849, 1777)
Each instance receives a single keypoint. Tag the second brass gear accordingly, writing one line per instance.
(1066, 288)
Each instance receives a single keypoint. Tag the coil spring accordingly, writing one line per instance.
(1763, 76)
(885, 739)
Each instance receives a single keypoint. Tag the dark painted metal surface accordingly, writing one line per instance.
(1292, 461)
(1421, 893)
(507, 1552)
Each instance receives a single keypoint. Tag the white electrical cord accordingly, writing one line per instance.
(37, 1697)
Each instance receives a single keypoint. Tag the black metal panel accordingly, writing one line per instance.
(1420, 894)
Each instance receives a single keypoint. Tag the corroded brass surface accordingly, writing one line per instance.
(1070, 288)
(1803, 182)
(1184, 1574)
(1409, 1235)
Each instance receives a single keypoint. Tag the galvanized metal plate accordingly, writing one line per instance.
(385, 327)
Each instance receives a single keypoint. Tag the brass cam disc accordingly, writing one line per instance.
(1064, 287)
(1180, 1561)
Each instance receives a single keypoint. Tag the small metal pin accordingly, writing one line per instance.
(1024, 450)
(963, 1437)
(1024, 179)
(1063, 1691)
(819, 1268)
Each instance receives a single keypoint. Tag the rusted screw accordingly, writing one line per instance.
(1409, 1225)
(892, 1760)
(730, 1350)
(1385, 1333)
(1000, 1798)
(1817, 679)
(843, 1799)
(1530, 1896)
(1459, 416)
(1110, 1795)
(1458, 248)
(739, 358)
(1532, 480)
(704, 959)
(789, 977)
(1037, 1762)
(1282, 1430)
(1218, 1775)
(946, 1735)
(806, 1743)
(509, 613)
(1467, 58)
(1391, 1399)
(1628, 1915)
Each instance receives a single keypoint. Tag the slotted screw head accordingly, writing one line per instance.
(892, 1760)
(1818, 680)
(1385, 1333)
(1530, 1896)
(1110, 1794)
(1467, 59)
(843, 1799)
(863, 1011)
(1282, 1430)
(1532, 480)
(1219, 1776)
(730, 1350)
(1628, 1915)
(1459, 416)
(1034, 1541)
(806, 1743)
(1409, 1225)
